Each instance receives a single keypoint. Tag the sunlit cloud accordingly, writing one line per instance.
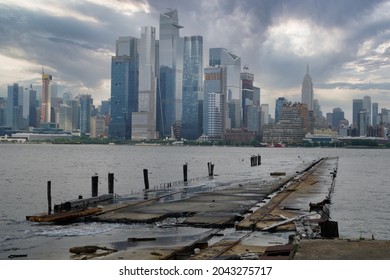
(303, 38)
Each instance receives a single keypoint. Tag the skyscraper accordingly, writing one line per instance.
(337, 116)
(214, 82)
(357, 106)
(278, 107)
(232, 62)
(124, 87)
(169, 97)
(307, 90)
(367, 107)
(86, 103)
(144, 120)
(192, 87)
(46, 98)
(32, 121)
(247, 95)
(216, 104)
(375, 111)
(14, 106)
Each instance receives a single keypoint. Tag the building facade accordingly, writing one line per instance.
(124, 88)
(46, 98)
(192, 116)
(169, 97)
(144, 120)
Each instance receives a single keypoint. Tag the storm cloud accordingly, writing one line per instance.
(346, 43)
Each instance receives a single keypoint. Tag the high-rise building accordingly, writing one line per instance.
(144, 120)
(307, 90)
(124, 88)
(367, 107)
(192, 87)
(46, 98)
(65, 119)
(247, 97)
(169, 97)
(375, 111)
(214, 82)
(357, 106)
(216, 104)
(33, 104)
(362, 123)
(232, 62)
(15, 106)
(337, 117)
(265, 116)
(86, 104)
(280, 102)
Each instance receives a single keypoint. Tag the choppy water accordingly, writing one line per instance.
(361, 202)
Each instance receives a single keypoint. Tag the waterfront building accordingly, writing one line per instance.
(280, 102)
(124, 87)
(98, 127)
(307, 90)
(65, 118)
(192, 88)
(295, 121)
(357, 106)
(169, 97)
(14, 115)
(105, 107)
(144, 120)
(214, 82)
(46, 98)
(232, 62)
(86, 103)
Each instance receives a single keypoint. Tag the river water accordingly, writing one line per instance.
(360, 203)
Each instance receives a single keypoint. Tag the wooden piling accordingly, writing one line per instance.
(49, 197)
(111, 183)
(185, 172)
(146, 179)
(258, 159)
(95, 181)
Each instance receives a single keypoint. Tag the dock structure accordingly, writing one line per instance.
(289, 202)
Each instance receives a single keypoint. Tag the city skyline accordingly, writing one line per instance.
(346, 44)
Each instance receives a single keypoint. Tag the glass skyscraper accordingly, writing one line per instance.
(215, 82)
(14, 106)
(169, 97)
(86, 103)
(192, 87)
(144, 120)
(223, 57)
(124, 88)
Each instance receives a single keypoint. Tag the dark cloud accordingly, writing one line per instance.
(77, 47)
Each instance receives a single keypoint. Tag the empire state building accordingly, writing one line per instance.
(307, 90)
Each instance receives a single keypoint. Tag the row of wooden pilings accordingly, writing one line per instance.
(95, 188)
(210, 167)
(255, 160)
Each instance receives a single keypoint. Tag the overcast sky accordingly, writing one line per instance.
(346, 43)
